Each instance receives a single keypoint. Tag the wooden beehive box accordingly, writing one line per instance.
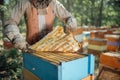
(96, 41)
(113, 42)
(111, 59)
(59, 66)
(96, 46)
(93, 34)
(109, 66)
(108, 74)
(28, 75)
(101, 34)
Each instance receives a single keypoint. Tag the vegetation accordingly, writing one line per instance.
(94, 12)
(87, 12)
(10, 65)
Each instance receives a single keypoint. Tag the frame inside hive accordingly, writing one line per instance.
(58, 57)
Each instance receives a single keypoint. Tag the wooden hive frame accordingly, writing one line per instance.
(57, 40)
(50, 38)
(57, 57)
(107, 73)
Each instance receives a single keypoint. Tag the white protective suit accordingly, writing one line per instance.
(39, 22)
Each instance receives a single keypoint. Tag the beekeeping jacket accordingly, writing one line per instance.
(39, 22)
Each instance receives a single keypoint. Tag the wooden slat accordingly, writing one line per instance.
(96, 41)
(58, 57)
(56, 34)
(28, 75)
(48, 59)
(107, 73)
(110, 59)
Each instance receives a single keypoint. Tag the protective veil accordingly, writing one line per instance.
(41, 4)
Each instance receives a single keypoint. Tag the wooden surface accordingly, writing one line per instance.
(113, 42)
(28, 75)
(113, 39)
(101, 34)
(96, 41)
(113, 48)
(110, 59)
(93, 34)
(107, 73)
(57, 40)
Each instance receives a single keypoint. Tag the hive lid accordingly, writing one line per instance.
(112, 35)
(114, 54)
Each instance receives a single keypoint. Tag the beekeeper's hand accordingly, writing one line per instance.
(12, 33)
(20, 43)
(71, 25)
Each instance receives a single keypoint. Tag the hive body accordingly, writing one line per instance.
(59, 66)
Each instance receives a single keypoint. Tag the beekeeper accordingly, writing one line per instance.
(39, 17)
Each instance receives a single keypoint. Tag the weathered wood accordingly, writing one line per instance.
(28, 75)
(107, 73)
(113, 42)
(96, 41)
(57, 57)
(57, 40)
(111, 59)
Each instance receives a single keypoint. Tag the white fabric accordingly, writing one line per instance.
(11, 31)
(57, 8)
(42, 23)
